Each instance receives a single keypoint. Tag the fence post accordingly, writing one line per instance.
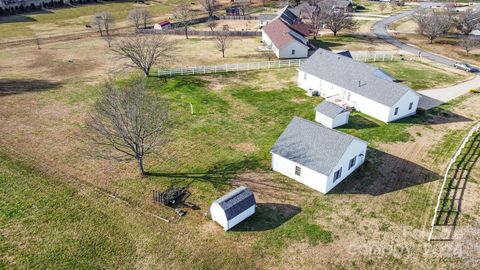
(226, 67)
(383, 59)
(374, 57)
(204, 70)
(366, 55)
(391, 58)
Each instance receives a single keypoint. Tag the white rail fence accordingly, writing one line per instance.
(263, 65)
(230, 67)
(454, 158)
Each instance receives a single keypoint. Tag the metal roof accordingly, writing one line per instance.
(236, 201)
(312, 145)
(280, 33)
(330, 109)
(360, 78)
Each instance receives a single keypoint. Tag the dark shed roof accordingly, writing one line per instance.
(236, 201)
(330, 109)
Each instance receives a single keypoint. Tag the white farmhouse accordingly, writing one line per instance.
(366, 88)
(233, 208)
(331, 115)
(315, 155)
(286, 36)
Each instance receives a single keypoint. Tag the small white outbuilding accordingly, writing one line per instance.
(331, 115)
(233, 208)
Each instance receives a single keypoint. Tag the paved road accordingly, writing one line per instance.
(432, 97)
(380, 30)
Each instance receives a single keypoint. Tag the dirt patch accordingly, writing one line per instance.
(273, 188)
(246, 147)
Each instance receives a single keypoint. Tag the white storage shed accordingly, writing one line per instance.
(331, 115)
(233, 208)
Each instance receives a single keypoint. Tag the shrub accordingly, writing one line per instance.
(420, 111)
(475, 90)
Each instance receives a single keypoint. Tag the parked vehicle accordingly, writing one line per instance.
(466, 67)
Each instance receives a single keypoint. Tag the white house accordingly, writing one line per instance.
(233, 208)
(286, 36)
(331, 115)
(366, 88)
(315, 155)
(162, 25)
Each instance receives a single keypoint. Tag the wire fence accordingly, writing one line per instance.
(444, 192)
(191, 32)
(264, 65)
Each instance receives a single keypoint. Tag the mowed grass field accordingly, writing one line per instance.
(53, 215)
(73, 19)
(420, 75)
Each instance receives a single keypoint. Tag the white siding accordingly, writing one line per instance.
(219, 216)
(324, 120)
(307, 176)
(316, 180)
(403, 106)
(365, 105)
(301, 51)
(241, 217)
(354, 150)
(341, 119)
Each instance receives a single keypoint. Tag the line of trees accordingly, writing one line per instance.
(434, 24)
(323, 14)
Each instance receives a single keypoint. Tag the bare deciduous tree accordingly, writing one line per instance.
(336, 19)
(468, 44)
(267, 52)
(244, 6)
(127, 122)
(223, 41)
(212, 25)
(144, 51)
(184, 14)
(139, 17)
(382, 7)
(209, 6)
(103, 21)
(314, 15)
(467, 21)
(109, 40)
(432, 24)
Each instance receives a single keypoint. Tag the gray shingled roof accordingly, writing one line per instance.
(330, 109)
(236, 201)
(312, 145)
(266, 17)
(361, 78)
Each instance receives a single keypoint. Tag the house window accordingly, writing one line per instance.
(410, 106)
(298, 170)
(337, 175)
(293, 51)
(396, 111)
(352, 162)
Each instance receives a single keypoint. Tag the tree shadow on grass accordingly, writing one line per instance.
(16, 19)
(384, 173)
(219, 175)
(14, 87)
(268, 216)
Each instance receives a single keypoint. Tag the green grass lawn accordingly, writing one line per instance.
(47, 224)
(419, 75)
(237, 117)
